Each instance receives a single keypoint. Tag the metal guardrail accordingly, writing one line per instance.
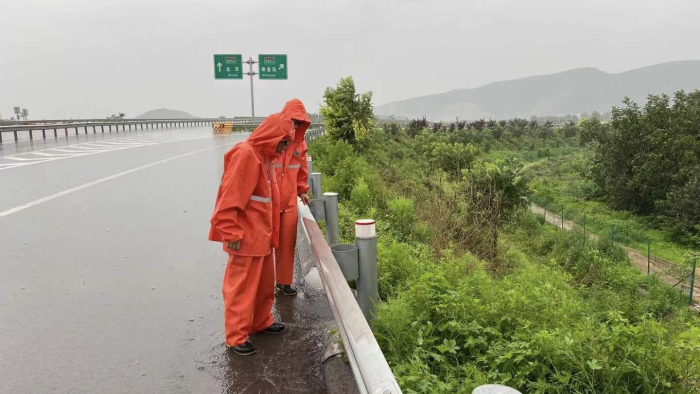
(15, 126)
(119, 120)
(371, 371)
(313, 134)
(148, 123)
(41, 126)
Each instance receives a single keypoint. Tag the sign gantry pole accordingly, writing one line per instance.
(251, 73)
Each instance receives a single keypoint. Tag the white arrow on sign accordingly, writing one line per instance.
(281, 66)
(219, 65)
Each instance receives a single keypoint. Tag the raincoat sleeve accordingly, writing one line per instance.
(237, 186)
(303, 173)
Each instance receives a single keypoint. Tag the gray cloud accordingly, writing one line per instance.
(98, 57)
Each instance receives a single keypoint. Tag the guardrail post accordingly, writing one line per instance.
(43, 133)
(316, 184)
(367, 282)
(31, 135)
(332, 226)
(317, 204)
(15, 132)
(310, 165)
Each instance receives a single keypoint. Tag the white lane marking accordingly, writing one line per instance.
(87, 148)
(52, 154)
(25, 158)
(101, 180)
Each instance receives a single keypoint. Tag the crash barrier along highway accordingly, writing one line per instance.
(93, 126)
(370, 369)
(85, 126)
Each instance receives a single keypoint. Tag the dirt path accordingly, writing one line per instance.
(666, 270)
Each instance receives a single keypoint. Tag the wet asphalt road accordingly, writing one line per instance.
(108, 283)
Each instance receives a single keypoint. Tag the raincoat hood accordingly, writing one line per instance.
(294, 109)
(269, 133)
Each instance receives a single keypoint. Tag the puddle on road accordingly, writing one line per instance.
(286, 362)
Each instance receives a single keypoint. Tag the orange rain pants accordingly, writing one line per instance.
(247, 312)
(285, 253)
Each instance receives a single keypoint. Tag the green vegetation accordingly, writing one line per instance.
(476, 289)
(647, 161)
(545, 314)
(347, 115)
(637, 178)
(563, 182)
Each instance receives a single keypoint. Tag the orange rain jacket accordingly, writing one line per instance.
(248, 204)
(291, 169)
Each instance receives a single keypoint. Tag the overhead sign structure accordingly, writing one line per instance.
(231, 67)
(228, 67)
(272, 66)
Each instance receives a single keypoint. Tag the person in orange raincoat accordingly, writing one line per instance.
(246, 220)
(291, 172)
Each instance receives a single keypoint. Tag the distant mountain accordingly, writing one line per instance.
(569, 92)
(165, 114)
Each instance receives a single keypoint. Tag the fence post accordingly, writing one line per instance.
(367, 282)
(562, 217)
(545, 211)
(648, 256)
(692, 280)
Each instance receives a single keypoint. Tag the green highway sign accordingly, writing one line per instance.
(228, 67)
(272, 66)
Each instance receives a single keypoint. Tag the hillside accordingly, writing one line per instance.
(569, 92)
(164, 113)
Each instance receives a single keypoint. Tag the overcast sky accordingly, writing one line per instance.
(68, 58)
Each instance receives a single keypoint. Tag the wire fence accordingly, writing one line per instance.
(681, 275)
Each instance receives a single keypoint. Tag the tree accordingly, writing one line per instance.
(593, 130)
(647, 159)
(416, 126)
(570, 129)
(453, 158)
(546, 130)
(492, 192)
(497, 132)
(347, 115)
(684, 206)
